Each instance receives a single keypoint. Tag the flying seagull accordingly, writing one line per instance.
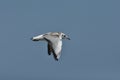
(54, 40)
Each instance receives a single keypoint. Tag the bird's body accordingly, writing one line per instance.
(54, 40)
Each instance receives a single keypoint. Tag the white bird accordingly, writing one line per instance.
(54, 40)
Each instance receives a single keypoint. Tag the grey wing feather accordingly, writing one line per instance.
(57, 46)
(54, 45)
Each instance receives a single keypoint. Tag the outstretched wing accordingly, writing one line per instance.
(37, 38)
(54, 45)
(57, 47)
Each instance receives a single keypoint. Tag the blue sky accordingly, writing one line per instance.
(93, 53)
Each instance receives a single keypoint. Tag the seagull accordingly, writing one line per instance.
(54, 40)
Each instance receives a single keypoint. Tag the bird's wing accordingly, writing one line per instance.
(57, 47)
(37, 38)
(55, 44)
(49, 49)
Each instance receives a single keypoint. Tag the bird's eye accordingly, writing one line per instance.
(63, 35)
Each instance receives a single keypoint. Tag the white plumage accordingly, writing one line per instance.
(54, 40)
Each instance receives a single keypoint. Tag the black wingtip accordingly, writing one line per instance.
(56, 59)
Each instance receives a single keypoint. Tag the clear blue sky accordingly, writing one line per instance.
(93, 53)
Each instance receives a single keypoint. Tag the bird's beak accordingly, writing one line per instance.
(68, 38)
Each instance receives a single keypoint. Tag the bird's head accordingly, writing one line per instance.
(64, 36)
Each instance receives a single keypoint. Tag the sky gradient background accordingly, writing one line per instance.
(93, 53)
